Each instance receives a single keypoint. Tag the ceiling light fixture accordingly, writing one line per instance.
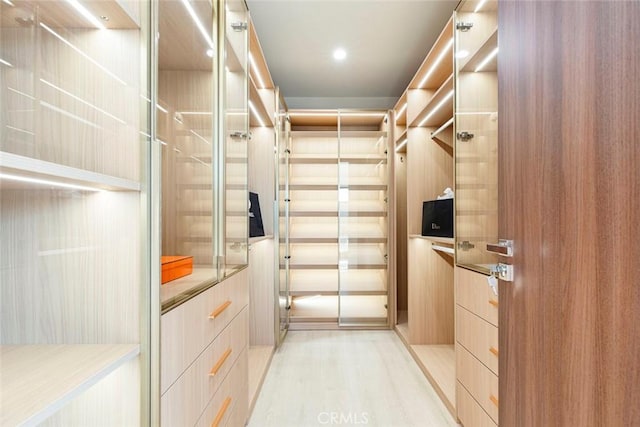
(439, 59)
(339, 54)
(479, 6)
(436, 108)
(486, 60)
(402, 144)
(86, 14)
(47, 182)
(255, 113)
(195, 19)
(402, 109)
(254, 67)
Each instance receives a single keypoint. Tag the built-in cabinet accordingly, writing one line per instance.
(203, 127)
(445, 131)
(334, 219)
(424, 168)
(75, 199)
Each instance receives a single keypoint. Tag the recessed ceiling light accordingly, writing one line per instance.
(339, 54)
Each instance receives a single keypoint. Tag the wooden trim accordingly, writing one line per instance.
(221, 412)
(220, 362)
(218, 311)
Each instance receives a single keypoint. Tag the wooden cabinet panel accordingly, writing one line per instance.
(474, 294)
(470, 413)
(185, 400)
(478, 380)
(189, 328)
(478, 336)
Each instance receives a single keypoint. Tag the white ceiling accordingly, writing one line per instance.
(385, 40)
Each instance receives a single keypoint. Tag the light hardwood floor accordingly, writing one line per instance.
(346, 378)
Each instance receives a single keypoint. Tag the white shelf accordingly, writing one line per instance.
(38, 380)
(27, 167)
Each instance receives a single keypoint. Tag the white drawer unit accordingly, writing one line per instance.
(189, 328)
(195, 388)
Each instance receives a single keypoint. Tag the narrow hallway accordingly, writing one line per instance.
(346, 378)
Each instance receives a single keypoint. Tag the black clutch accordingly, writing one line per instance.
(437, 218)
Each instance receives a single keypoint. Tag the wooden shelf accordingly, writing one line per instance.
(447, 240)
(254, 240)
(329, 118)
(38, 380)
(437, 112)
(233, 63)
(336, 267)
(314, 308)
(256, 100)
(490, 43)
(334, 187)
(29, 168)
(444, 133)
(334, 214)
(294, 240)
(401, 105)
(443, 69)
(438, 362)
(401, 138)
(354, 159)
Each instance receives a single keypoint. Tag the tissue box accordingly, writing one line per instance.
(437, 218)
(174, 267)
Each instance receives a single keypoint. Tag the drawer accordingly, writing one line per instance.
(190, 327)
(230, 404)
(470, 413)
(474, 294)
(478, 336)
(479, 381)
(205, 376)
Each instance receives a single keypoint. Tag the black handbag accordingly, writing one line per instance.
(255, 217)
(437, 218)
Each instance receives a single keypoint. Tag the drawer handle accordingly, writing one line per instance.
(218, 311)
(223, 409)
(493, 302)
(220, 362)
(494, 400)
(493, 350)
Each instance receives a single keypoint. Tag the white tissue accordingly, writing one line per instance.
(446, 194)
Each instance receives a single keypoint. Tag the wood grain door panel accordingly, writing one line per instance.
(569, 108)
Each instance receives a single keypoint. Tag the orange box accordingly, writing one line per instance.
(174, 267)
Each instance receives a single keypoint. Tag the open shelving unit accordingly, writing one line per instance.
(335, 215)
(263, 98)
(74, 209)
(424, 167)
